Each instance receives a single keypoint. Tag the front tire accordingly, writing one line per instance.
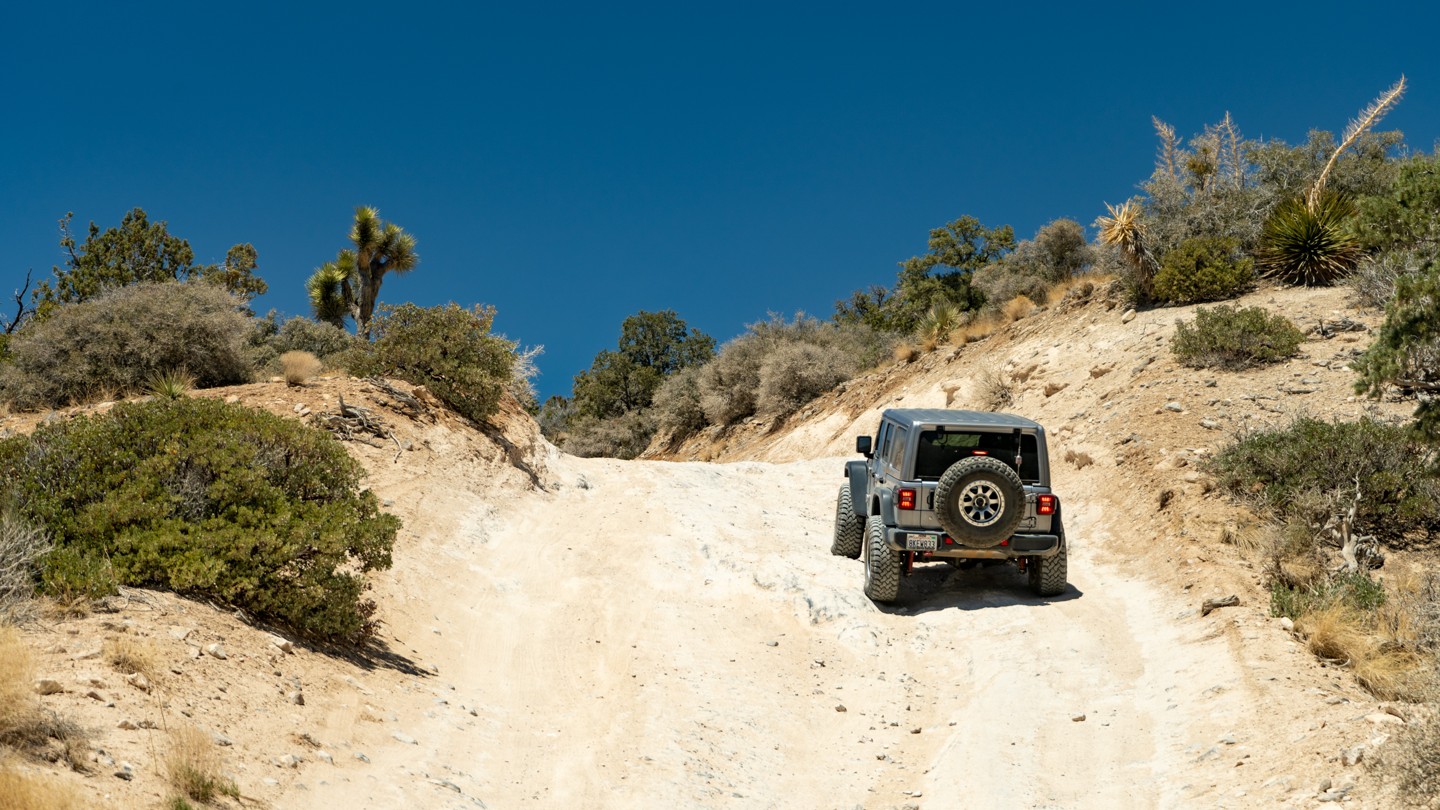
(849, 527)
(882, 563)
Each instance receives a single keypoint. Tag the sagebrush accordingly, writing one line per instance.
(117, 342)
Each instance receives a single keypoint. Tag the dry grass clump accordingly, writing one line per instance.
(193, 766)
(1411, 759)
(298, 367)
(995, 392)
(906, 353)
(130, 656)
(1016, 308)
(977, 329)
(19, 708)
(30, 791)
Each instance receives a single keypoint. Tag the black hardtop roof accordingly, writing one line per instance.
(979, 419)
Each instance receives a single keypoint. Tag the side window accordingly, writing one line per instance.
(882, 450)
(897, 448)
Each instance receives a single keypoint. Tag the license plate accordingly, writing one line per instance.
(921, 542)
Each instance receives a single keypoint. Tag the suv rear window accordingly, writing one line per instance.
(938, 449)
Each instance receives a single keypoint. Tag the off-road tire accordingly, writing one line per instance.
(1049, 576)
(882, 563)
(849, 527)
(979, 501)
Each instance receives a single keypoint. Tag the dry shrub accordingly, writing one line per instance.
(677, 403)
(299, 367)
(978, 329)
(21, 544)
(994, 392)
(905, 353)
(1016, 308)
(32, 791)
(795, 373)
(1080, 460)
(130, 655)
(193, 766)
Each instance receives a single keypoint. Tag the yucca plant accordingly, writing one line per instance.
(1124, 230)
(1310, 241)
(172, 384)
(936, 325)
(1314, 246)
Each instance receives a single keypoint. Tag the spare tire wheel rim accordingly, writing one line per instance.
(981, 503)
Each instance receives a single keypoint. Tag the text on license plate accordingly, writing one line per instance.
(921, 542)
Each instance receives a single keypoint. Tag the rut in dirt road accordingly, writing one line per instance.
(654, 634)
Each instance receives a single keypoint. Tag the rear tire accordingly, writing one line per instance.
(1049, 576)
(849, 527)
(882, 563)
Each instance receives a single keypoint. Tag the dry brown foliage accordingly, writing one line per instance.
(20, 790)
(298, 367)
(995, 392)
(193, 766)
(1016, 308)
(130, 655)
(906, 353)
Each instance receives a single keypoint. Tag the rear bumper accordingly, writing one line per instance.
(1019, 545)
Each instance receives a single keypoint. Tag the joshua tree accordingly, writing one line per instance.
(350, 285)
(1124, 230)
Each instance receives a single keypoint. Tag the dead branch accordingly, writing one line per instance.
(1216, 603)
(353, 423)
(406, 403)
(21, 311)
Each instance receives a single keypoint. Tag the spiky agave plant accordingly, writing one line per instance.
(170, 384)
(1124, 230)
(1314, 246)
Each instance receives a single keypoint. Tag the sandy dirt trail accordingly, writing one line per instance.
(652, 634)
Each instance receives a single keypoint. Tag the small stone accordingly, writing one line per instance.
(126, 772)
(104, 760)
(1174, 407)
(180, 633)
(297, 697)
(221, 740)
(1352, 756)
(46, 686)
(282, 644)
(1228, 739)
(1210, 424)
(1128, 316)
(401, 737)
(1287, 624)
(88, 654)
(215, 651)
(287, 761)
(1053, 388)
(361, 757)
(1336, 700)
(127, 725)
(94, 695)
(325, 757)
(232, 399)
(139, 681)
(915, 730)
(1079, 718)
(841, 708)
(1384, 718)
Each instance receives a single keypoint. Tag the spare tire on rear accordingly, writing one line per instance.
(980, 501)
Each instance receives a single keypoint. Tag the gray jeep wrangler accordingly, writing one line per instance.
(952, 486)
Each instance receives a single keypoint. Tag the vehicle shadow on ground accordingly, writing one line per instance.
(940, 587)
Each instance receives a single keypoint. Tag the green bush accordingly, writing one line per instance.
(1203, 268)
(112, 345)
(448, 349)
(1354, 590)
(623, 436)
(1307, 471)
(207, 499)
(1232, 338)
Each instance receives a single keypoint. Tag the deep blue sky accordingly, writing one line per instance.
(572, 166)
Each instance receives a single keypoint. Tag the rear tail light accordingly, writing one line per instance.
(907, 499)
(1045, 504)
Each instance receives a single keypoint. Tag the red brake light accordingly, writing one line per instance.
(1045, 504)
(907, 499)
(979, 452)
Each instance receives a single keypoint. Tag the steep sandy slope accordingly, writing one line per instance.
(564, 632)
